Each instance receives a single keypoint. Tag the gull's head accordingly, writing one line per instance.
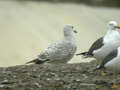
(69, 30)
(112, 25)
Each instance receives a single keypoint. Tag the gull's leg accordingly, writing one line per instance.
(103, 73)
(115, 86)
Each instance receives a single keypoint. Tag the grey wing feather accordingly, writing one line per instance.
(108, 58)
(59, 50)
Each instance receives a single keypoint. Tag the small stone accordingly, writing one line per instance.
(48, 79)
(37, 84)
(57, 79)
(2, 86)
(78, 80)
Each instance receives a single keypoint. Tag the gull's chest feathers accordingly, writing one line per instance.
(110, 42)
(112, 37)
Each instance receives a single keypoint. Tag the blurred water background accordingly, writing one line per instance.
(29, 26)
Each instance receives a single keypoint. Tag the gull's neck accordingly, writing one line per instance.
(111, 31)
(70, 37)
(111, 35)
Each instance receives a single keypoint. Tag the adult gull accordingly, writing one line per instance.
(112, 63)
(104, 45)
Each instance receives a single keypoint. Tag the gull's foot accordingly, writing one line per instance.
(114, 86)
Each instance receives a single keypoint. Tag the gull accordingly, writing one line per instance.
(112, 63)
(104, 45)
(60, 51)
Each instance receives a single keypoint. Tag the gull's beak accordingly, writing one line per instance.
(75, 31)
(118, 27)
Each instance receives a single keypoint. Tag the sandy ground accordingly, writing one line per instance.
(26, 28)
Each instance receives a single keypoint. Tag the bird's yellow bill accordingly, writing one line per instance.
(117, 27)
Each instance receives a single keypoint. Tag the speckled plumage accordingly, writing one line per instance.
(61, 51)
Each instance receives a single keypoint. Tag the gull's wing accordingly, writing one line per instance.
(96, 45)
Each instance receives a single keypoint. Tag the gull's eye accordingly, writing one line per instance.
(72, 27)
(111, 24)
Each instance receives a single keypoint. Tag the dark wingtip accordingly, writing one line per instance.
(86, 54)
(83, 53)
(33, 61)
(37, 61)
(30, 62)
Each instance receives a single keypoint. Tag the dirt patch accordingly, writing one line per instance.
(55, 77)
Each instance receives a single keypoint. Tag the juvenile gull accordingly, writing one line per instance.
(104, 45)
(61, 51)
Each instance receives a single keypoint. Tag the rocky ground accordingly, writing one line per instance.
(55, 77)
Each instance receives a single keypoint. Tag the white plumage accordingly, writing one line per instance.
(111, 41)
(103, 46)
(61, 51)
(112, 61)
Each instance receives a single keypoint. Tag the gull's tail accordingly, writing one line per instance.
(37, 61)
(85, 54)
